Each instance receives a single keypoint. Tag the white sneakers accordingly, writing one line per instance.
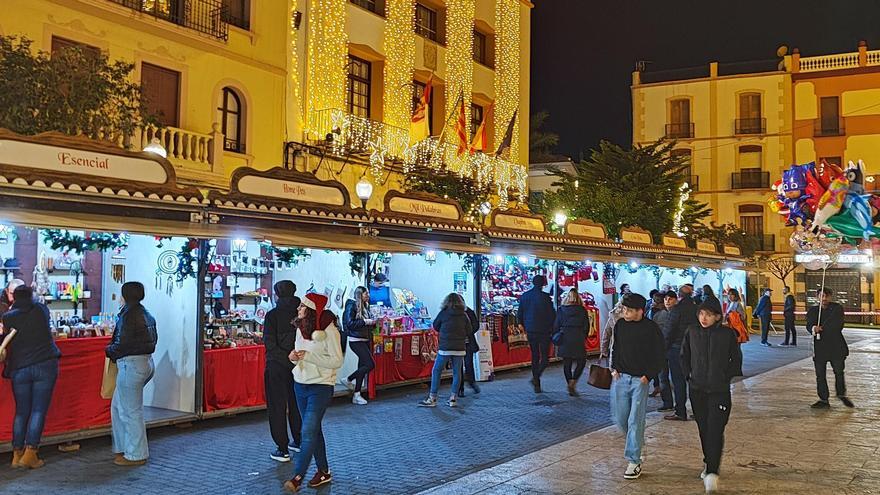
(633, 471)
(711, 483)
(348, 384)
(357, 400)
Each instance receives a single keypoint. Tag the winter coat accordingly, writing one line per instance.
(735, 306)
(454, 326)
(472, 345)
(830, 345)
(614, 315)
(279, 334)
(536, 312)
(572, 321)
(681, 317)
(710, 357)
(788, 308)
(661, 318)
(33, 343)
(323, 356)
(354, 326)
(134, 335)
(764, 307)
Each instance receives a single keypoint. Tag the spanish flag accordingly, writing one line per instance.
(419, 129)
(461, 128)
(481, 137)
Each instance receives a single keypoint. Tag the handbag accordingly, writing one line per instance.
(108, 381)
(734, 321)
(600, 377)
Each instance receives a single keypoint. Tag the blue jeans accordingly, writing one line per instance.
(439, 365)
(765, 328)
(128, 428)
(313, 401)
(629, 398)
(679, 381)
(32, 387)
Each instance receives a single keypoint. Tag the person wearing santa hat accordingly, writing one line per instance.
(318, 356)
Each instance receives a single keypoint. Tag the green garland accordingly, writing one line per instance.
(450, 185)
(286, 255)
(187, 260)
(356, 262)
(470, 264)
(66, 242)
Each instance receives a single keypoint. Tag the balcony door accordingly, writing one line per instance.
(162, 91)
(751, 221)
(829, 108)
(750, 121)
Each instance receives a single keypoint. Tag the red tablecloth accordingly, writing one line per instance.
(390, 370)
(76, 401)
(504, 356)
(234, 377)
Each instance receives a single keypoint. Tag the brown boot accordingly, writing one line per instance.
(122, 461)
(16, 458)
(572, 391)
(30, 460)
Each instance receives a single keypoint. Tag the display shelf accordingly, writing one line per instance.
(66, 298)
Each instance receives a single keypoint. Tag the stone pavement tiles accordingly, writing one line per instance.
(387, 447)
(775, 444)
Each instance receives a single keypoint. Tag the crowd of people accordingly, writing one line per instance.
(686, 343)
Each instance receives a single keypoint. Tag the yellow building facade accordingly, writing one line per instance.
(234, 81)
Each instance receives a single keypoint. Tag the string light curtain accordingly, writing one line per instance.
(294, 62)
(328, 56)
(459, 60)
(507, 72)
(400, 58)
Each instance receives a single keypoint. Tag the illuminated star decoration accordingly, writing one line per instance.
(377, 158)
(684, 194)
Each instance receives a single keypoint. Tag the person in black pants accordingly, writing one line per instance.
(829, 346)
(788, 314)
(472, 348)
(536, 315)
(710, 358)
(681, 317)
(359, 329)
(572, 323)
(279, 337)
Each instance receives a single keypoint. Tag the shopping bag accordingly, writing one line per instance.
(600, 377)
(108, 381)
(734, 321)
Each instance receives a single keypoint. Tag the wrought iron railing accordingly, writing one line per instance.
(750, 180)
(765, 242)
(680, 130)
(208, 17)
(754, 125)
(828, 127)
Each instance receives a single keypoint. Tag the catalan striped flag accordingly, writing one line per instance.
(419, 128)
(461, 128)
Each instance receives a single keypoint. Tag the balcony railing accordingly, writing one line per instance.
(186, 149)
(828, 127)
(208, 17)
(750, 180)
(680, 130)
(694, 183)
(756, 125)
(765, 242)
(829, 62)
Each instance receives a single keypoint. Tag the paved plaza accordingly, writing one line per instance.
(509, 440)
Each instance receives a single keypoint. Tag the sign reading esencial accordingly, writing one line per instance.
(423, 208)
(60, 159)
(290, 190)
(516, 222)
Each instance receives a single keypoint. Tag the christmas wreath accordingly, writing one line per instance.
(286, 255)
(66, 242)
(187, 260)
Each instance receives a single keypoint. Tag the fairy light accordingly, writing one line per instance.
(377, 159)
(683, 195)
(328, 54)
(294, 60)
(459, 59)
(399, 43)
(507, 74)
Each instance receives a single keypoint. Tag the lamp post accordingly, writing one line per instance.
(155, 146)
(364, 190)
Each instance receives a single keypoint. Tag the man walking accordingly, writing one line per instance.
(762, 311)
(537, 315)
(829, 346)
(636, 356)
(279, 337)
(788, 313)
(681, 317)
(661, 318)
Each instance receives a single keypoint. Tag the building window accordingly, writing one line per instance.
(426, 22)
(231, 114)
(685, 156)
(750, 120)
(477, 114)
(750, 157)
(59, 44)
(481, 48)
(418, 91)
(238, 13)
(357, 97)
(680, 125)
(374, 6)
(829, 116)
(162, 92)
(751, 221)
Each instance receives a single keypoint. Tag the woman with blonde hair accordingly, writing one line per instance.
(359, 327)
(570, 334)
(453, 326)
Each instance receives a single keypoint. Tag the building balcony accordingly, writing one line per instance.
(750, 180)
(828, 127)
(765, 243)
(680, 130)
(757, 125)
(208, 17)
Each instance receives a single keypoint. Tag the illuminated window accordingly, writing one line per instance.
(481, 48)
(426, 22)
(357, 97)
(231, 113)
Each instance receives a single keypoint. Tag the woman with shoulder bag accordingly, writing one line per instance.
(131, 348)
(32, 365)
(359, 329)
(571, 328)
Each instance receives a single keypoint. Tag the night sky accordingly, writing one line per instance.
(584, 51)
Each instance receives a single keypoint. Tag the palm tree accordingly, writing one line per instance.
(542, 142)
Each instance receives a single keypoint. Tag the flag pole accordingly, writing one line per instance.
(446, 123)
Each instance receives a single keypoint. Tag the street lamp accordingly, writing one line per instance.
(560, 218)
(156, 147)
(364, 190)
(486, 208)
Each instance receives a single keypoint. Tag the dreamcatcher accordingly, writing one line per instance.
(117, 268)
(167, 262)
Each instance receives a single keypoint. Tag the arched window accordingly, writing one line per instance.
(231, 115)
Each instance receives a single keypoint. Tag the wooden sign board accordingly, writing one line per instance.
(516, 222)
(636, 236)
(588, 230)
(707, 247)
(674, 242)
(290, 190)
(732, 250)
(423, 208)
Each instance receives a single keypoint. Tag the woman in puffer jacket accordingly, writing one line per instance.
(453, 326)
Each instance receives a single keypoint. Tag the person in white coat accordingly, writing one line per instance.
(318, 356)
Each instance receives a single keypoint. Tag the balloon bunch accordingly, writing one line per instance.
(826, 202)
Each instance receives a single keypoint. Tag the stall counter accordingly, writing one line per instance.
(233, 378)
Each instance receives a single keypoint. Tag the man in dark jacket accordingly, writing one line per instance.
(536, 315)
(788, 314)
(636, 357)
(762, 311)
(681, 317)
(710, 358)
(829, 346)
(661, 318)
(470, 373)
(279, 337)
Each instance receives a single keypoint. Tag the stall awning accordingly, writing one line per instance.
(449, 247)
(331, 240)
(108, 223)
